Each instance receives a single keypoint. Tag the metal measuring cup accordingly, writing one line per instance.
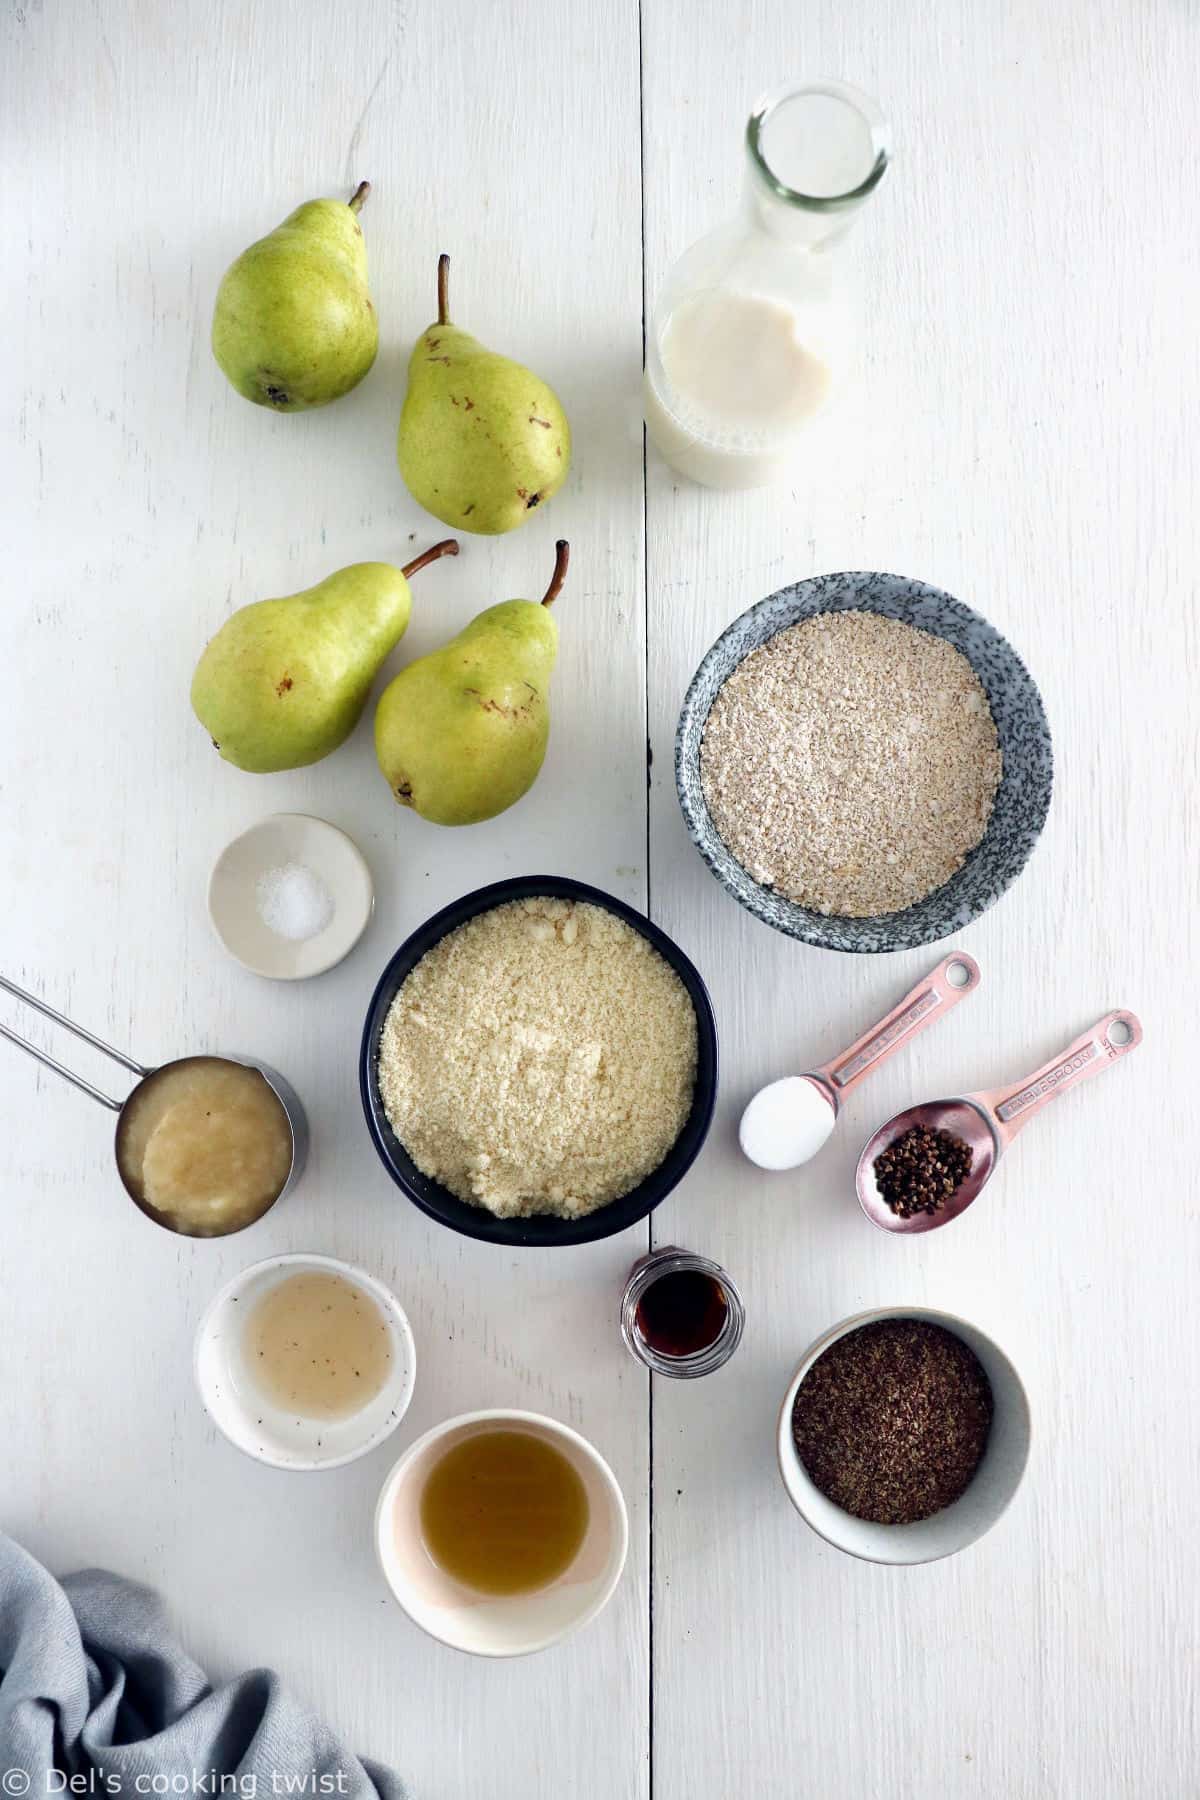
(283, 1091)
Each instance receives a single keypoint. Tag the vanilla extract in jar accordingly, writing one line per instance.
(681, 1315)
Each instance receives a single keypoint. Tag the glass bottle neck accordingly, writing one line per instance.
(815, 155)
(765, 215)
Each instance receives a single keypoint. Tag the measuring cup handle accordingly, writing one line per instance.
(48, 1062)
(931, 999)
(89, 1037)
(1090, 1054)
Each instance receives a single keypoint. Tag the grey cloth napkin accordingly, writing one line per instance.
(94, 1686)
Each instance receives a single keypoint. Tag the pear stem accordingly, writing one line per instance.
(447, 547)
(443, 289)
(562, 555)
(358, 198)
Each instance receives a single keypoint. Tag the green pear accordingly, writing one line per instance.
(461, 734)
(284, 682)
(294, 324)
(482, 440)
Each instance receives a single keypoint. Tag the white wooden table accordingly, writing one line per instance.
(1025, 437)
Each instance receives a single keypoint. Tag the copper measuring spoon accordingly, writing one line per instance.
(789, 1120)
(989, 1121)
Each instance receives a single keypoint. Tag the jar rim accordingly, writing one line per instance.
(862, 104)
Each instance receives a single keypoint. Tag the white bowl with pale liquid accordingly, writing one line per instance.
(255, 1415)
(511, 1624)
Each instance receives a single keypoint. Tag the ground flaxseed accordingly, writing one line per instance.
(891, 1421)
(850, 763)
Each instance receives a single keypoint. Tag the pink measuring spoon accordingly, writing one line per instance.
(787, 1121)
(989, 1121)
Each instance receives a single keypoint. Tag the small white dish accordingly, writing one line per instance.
(277, 842)
(993, 1487)
(511, 1624)
(255, 1424)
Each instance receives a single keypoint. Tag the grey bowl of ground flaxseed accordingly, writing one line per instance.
(903, 1435)
(864, 762)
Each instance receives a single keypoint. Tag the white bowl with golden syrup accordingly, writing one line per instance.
(501, 1532)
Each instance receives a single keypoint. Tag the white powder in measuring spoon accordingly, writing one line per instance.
(293, 902)
(786, 1123)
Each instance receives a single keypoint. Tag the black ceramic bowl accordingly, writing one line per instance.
(1022, 799)
(475, 1221)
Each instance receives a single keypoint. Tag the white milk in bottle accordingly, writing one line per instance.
(750, 329)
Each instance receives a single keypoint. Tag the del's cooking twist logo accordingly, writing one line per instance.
(18, 1783)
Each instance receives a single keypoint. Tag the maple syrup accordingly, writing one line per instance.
(504, 1512)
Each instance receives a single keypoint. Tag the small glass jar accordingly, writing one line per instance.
(648, 1270)
(754, 322)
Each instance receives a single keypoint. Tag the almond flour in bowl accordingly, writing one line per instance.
(540, 1058)
(826, 829)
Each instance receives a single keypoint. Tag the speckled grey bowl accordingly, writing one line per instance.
(1022, 799)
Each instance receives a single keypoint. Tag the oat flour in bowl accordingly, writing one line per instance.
(850, 763)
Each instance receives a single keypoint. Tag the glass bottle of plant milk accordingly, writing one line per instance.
(751, 327)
